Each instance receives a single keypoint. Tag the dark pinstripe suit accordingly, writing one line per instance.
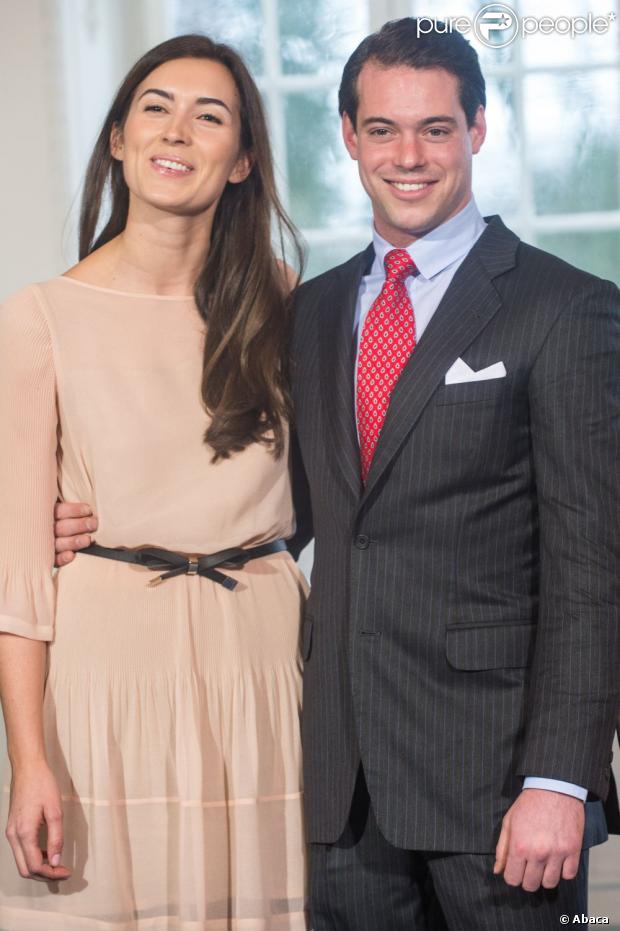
(463, 628)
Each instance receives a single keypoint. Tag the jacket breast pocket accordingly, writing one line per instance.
(305, 645)
(469, 391)
(503, 646)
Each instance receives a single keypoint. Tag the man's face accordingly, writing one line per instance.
(413, 148)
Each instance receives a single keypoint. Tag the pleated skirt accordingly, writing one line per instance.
(172, 726)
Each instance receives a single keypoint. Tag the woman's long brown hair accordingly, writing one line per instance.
(241, 292)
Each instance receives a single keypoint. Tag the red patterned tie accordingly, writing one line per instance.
(388, 339)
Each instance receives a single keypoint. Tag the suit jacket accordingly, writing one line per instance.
(463, 628)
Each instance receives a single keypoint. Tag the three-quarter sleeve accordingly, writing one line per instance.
(28, 468)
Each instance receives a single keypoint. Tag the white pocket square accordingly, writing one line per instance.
(461, 372)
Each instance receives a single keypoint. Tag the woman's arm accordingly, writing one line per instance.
(35, 799)
(28, 489)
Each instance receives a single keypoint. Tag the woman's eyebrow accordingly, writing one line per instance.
(200, 100)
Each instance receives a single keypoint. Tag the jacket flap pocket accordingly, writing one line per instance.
(467, 391)
(306, 637)
(505, 646)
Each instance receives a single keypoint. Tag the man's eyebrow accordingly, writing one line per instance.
(427, 121)
(201, 100)
(378, 119)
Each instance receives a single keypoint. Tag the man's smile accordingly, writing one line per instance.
(410, 185)
(410, 189)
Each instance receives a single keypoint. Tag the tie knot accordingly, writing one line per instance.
(399, 265)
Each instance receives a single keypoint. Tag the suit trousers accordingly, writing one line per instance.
(363, 883)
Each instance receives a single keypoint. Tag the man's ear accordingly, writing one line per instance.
(116, 142)
(478, 131)
(349, 135)
(242, 169)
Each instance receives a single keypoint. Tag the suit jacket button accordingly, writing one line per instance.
(362, 542)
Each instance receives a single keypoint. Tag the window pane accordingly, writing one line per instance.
(457, 9)
(318, 33)
(497, 167)
(558, 48)
(323, 182)
(328, 255)
(572, 122)
(598, 253)
(535, 47)
(237, 22)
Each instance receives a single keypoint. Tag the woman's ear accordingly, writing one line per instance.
(242, 169)
(116, 142)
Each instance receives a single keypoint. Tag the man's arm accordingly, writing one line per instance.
(73, 524)
(574, 693)
(301, 502)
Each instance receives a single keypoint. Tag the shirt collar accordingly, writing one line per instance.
(444, 245)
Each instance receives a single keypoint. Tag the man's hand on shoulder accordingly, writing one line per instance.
(540, 840)
(73, 524)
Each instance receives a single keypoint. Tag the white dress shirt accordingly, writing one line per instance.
(437, 256)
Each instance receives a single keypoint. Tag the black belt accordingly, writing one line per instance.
(177, 564)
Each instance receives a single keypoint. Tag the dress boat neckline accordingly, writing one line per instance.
(141, 294)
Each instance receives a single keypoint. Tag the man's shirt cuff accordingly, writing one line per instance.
(555, 785)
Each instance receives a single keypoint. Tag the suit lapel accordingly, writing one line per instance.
(467, 306)
(337, 361)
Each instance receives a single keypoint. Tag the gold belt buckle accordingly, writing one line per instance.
(192, 568)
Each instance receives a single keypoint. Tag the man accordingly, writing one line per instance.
(462, 630)
(457, 405)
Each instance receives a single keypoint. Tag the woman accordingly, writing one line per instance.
(161, 758)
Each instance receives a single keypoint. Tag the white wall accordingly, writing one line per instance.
(33, 195)
(51, 115)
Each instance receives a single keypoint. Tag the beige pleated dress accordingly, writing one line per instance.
(171, 712)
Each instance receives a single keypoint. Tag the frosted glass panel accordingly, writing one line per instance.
(598, 253)
(456, 9)
(572, 126)
(324, 256)
(557, 48)
(568, 36)
(324, 184)
(237, 22)
(497, 167)
(315, 34)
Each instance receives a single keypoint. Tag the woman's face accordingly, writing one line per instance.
(180, 144)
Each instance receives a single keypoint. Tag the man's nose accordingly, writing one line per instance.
(410, 153)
